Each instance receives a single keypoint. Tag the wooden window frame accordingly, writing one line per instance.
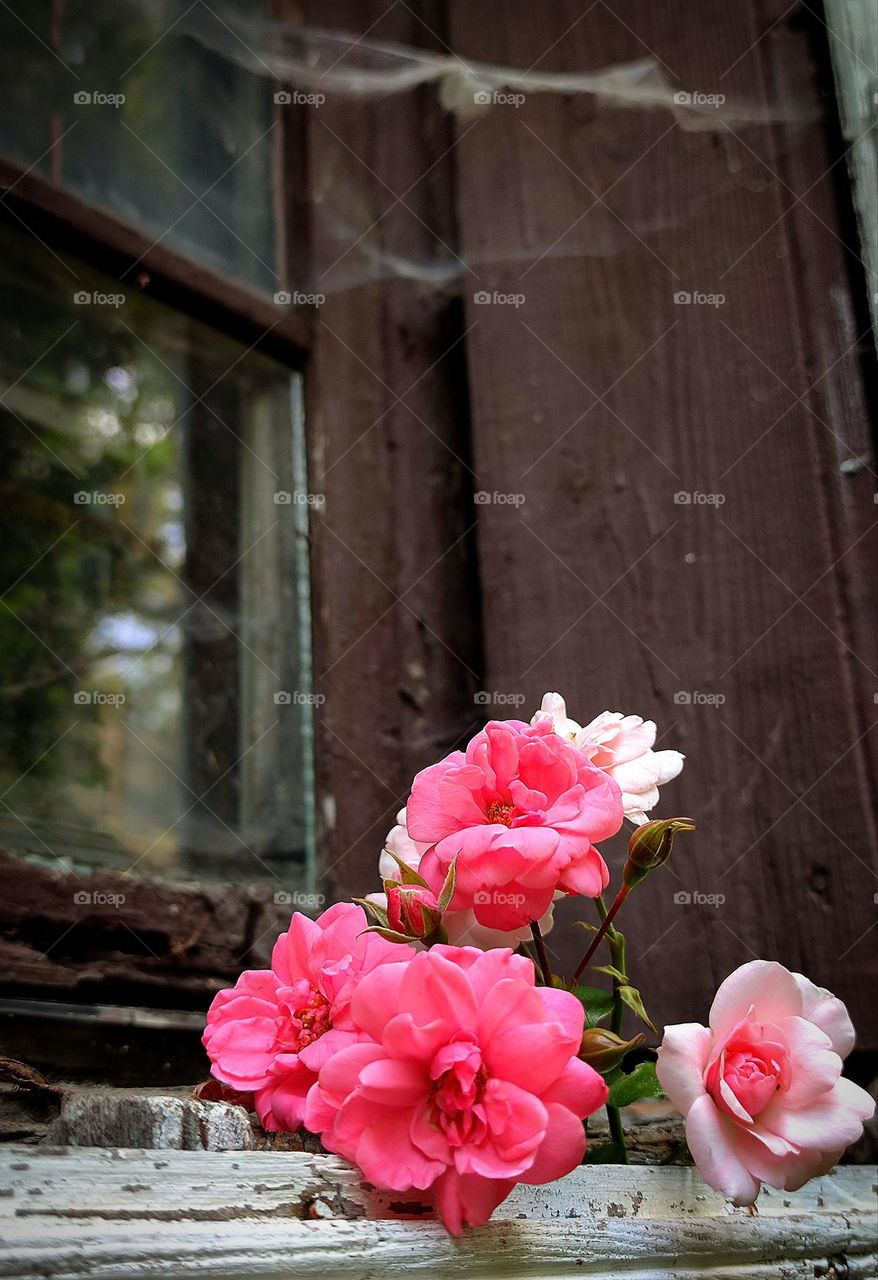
(131, 1000)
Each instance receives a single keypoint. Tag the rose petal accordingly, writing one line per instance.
(760, 985)
(682, 1059)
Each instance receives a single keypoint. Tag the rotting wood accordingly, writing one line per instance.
(163, 944)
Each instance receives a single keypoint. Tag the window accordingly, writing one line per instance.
(126, 106)
(153, 621)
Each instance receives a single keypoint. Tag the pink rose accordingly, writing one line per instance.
(522, 808)
(761, 1088)
(462, 927)
(621, 746)
(467, 1080)
(271, 1033)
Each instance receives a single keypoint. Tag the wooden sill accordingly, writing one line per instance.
(75, 1212)
(126, 253)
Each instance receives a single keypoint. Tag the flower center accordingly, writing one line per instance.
(748, 1073)
(456, 1093)
(308, 1023)
(501, 811)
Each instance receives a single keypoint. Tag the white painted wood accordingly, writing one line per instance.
(69, 1213)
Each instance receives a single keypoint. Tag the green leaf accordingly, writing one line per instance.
(584, 924)
(374, 909)
(390, 934)
(611, 972)
(642, 1082)
(449, 886)
(407, 875)
(597, 1004)
(605, 1153)
(634, 1001)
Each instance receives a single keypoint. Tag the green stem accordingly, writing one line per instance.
(617, 1133)
(616, 943)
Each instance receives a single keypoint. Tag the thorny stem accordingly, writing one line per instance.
(545, 967)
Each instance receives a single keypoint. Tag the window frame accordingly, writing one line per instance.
(112, 987)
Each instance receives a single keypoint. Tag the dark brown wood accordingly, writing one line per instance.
(68, 937)
(599, 399)
(123, 251)
(396, 633)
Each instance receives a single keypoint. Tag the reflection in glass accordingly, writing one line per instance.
(153, 636)
(116, 101)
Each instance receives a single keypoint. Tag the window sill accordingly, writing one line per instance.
(74, 1212)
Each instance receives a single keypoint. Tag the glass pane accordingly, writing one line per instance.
(153, 604)
(115, 101)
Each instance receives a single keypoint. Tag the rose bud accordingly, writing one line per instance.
(411, 910)
(603, 1050)
(650, 847)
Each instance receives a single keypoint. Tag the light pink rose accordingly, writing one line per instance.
(522, 808)
(621, 746)
(761, 1087)
(467, 1082)
(462, 927)
(271, 1033)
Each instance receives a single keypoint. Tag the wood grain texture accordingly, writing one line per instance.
(67, 936)
(600, 398)
(131, 1214)
(395, 601)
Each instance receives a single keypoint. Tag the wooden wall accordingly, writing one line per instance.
(745, 625)
(599, 399)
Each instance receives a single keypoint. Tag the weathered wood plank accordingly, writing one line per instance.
(395, 603)
(115, 937)
(599, 398)
(115, 1214)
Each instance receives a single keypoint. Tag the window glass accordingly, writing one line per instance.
(154, 711)
(119, 103)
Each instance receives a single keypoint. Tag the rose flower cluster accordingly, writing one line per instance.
(419, 1039)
